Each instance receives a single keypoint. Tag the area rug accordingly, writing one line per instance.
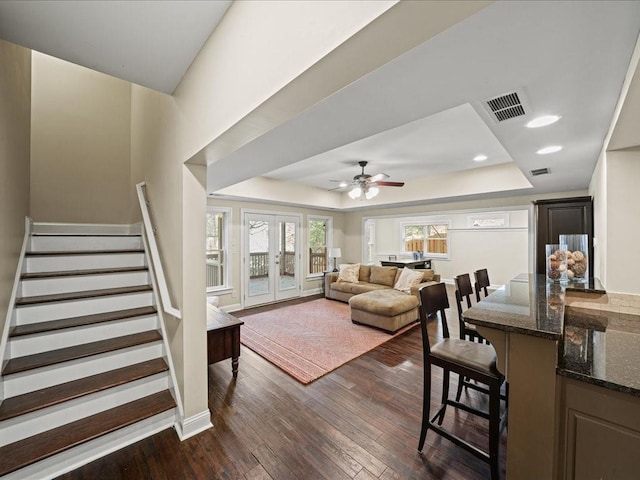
(310, 339)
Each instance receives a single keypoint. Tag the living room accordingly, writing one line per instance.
(133, 133)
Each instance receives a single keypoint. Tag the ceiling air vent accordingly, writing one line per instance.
(506, 106)
(539, 171)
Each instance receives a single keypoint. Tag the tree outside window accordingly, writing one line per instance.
(319, 233)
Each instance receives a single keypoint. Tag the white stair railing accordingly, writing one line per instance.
(167, 306)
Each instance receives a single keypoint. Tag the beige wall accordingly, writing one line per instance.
(80, 142)
(233, 297)
(623, 229)
(15, 116)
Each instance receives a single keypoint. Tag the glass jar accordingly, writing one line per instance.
(577, 257)
(556, 262)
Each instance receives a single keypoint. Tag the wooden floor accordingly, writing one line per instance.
(361, 421)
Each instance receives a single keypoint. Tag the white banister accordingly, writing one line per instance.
(155, 254)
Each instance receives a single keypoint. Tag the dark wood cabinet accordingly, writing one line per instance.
(562, 216)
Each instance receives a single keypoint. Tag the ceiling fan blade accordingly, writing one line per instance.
(380, 176)
(390, 184)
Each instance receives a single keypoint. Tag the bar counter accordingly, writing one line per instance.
(564, 364)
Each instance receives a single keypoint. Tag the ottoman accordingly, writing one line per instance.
(387, 309)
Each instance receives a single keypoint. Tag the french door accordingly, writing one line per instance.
(271, 258)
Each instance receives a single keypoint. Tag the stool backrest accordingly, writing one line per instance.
(433, 300)
(482, 282)
(463, 291)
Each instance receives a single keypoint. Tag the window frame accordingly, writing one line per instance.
(425, 225)
(226, 234)
(328, 242)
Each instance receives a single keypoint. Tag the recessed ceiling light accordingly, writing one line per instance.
(343, 184)
(543, 121)
(480, 158)
(550, 149)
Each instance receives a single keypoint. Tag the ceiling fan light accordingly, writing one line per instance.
(355, 193)
(371, 192)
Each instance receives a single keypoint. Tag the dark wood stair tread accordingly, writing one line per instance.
(46, 397)
(77, 273)
(55, 253)
(52, 325)
(63, 297)
(29, 362)
(33, 449)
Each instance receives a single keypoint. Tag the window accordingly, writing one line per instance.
(369, 241)
(319, 234)
(218, 221)
(488, 220)
(432, 239)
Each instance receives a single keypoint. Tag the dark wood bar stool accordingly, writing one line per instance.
(463, 293)
(468, 359)
(482, 282)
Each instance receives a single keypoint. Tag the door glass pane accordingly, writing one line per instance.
(287, 255)
(258, 257)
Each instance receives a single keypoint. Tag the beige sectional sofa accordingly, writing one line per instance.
(373, 299)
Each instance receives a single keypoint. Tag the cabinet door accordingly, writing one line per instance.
(562, 216)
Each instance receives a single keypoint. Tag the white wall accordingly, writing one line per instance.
(15, 116)
(623, 228)
(80, 144)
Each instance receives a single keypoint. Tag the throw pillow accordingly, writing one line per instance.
(383, 275)
(408, 279)
(349, 272)
(428, 275)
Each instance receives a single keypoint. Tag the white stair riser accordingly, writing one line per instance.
(42, 312)
(87, 452)
(56, 263)
(47, 341)
(82, 283)
(24, 382)
(40, 421)
(69, 242)
(59, 229)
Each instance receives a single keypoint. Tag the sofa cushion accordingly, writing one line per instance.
(356, 288)
(383, 275)
(365, 273)
(349, 272)
(427, 275)
(387, 302)
(408, 279)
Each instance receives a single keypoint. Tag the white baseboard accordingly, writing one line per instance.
(231, 308)
(311, 291)
(188, 427)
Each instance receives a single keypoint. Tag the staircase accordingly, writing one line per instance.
(85, 371)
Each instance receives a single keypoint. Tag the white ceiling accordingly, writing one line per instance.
(420, 115)
(144, 42)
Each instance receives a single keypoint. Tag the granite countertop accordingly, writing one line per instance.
(596, 346)
(528, 304)
(601, 347)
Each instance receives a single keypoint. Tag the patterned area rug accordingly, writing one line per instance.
(310, 339)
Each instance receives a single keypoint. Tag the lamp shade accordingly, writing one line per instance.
(334, 252)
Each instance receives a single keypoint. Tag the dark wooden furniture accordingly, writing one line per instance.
(473, 360)
(562, 216)
(482, 282)
(223, 337)
(463, 293)
(426, 264)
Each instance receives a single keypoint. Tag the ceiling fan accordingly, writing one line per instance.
(365, 185)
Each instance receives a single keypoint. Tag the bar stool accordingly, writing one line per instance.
(482, 282)
(467, 359)
(464, 291)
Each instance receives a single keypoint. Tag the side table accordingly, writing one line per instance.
(223, 337)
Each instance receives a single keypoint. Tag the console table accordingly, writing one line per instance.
(407, 263)
(223, 337)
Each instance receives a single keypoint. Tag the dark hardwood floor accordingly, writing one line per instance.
(361, 421)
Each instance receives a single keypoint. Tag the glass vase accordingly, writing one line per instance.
(577, 257)
(556, 262)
